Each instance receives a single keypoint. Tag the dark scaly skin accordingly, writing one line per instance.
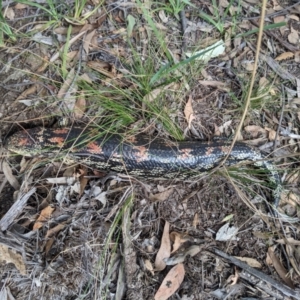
(140, 156)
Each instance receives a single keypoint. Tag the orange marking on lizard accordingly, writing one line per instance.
(131, 139)
(59, 141)
(209, 151)
(61, 131)
(185, 153)
(94, 148)
(23, 142)
(141, 153)
(225, 149)
(117, 155)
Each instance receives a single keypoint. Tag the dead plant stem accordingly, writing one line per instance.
(247, 104)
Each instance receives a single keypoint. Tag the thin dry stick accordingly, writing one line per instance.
(258, 46)
(260, 275)
(281, 117)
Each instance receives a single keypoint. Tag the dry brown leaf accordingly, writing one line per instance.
(161, 26)
(218, 84)
(6, 169)
(280, 19)
(71, 55)
(20, 6)
(43, 66)
(189, 112)
(55, 230)
(164, 250)
(294, 17)
(80, 106)
(239, 136)
(163, 16)
(256, 142)
(47, 245)
(272, 134)
(280, 269)
(217, 130)
(293, 178)
(149, 266)
(31, 90)
(250, 261)
(297, 56)
(83, 179)
(99, 67)
(156, 92)
(263, 84)
(290, 198)
(285, 55)
(179, 256)
(193, 250)
(178, 239)
(24, 165)
(64, 91)
(85, 77)
(9, 13)
(276, 5)
(248, 65)
(161, 196)
(223, 3)
(261, 235)
(293, 255)
(225, 127)
(87, 41)
(64, 30)
(68, 90)
(99, 17)
(43, 218)
(10, 256)
(170, 283)
(293, 37)
(268, 260)
(233, 278)
(254, 130)
(71, 42)
(196, 220)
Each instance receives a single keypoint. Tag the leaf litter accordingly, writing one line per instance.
(85, 228)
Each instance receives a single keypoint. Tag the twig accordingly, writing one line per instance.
(281, 117)
(183, 29)
(276, 67)
(276, 37)
(277, 13)
(277, 285)
(15, 210)
(247, 104)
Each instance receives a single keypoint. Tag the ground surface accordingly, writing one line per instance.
(69, 232)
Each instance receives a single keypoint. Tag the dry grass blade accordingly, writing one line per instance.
(249, 93)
